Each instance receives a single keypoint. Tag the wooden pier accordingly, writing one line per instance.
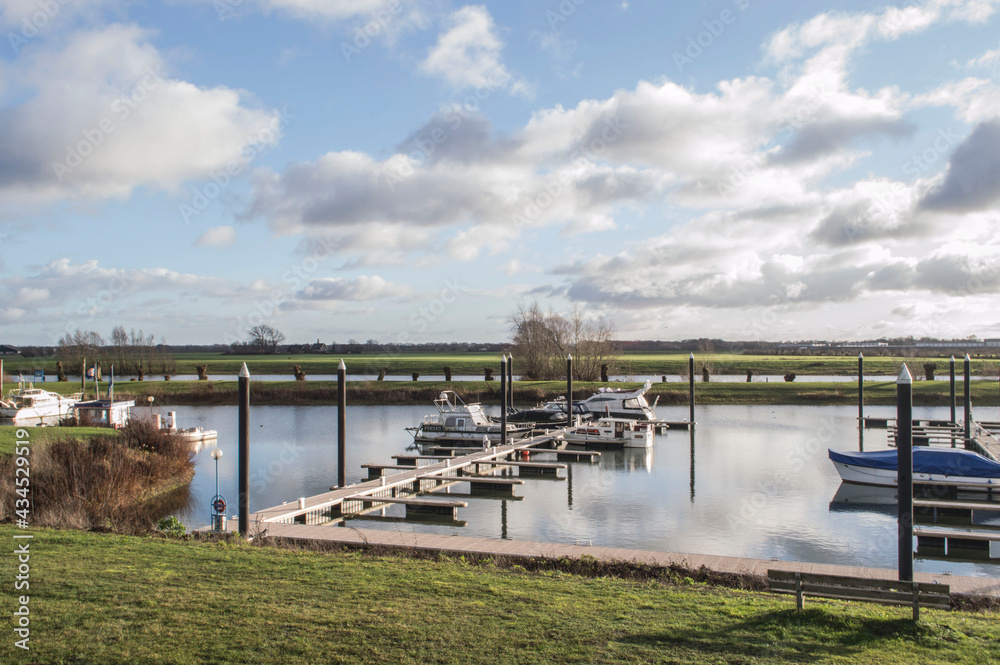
(941, 432)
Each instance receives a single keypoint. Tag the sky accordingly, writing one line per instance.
(417, 170)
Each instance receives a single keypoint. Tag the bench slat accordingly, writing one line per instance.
(817, 578)
(830, 591)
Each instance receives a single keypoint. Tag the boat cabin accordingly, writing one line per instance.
(104, 412)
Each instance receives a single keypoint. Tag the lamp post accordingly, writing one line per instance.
(218, 524)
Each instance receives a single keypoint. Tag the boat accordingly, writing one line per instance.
(551, 414)
(189, 434)
(458, 422)
(930, 465)
(104, 412)
(30, 405)
(611, 432)
(619, 403)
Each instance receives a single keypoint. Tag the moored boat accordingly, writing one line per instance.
(551, 414)
(611, 432)
(617, 403)
(34, 406)
(930, 465)
(459, 423)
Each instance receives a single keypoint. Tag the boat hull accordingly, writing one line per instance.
(930, 465)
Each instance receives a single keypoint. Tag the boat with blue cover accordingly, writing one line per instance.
(930, 465)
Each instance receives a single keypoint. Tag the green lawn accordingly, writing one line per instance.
(473, 363)
(42, 435)
(115, 599)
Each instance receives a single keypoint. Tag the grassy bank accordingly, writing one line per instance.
(117, 599)
(40, 436)
(527, 393)
(473, 363)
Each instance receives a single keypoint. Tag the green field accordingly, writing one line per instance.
(42, 435)
(99, 598)
(473, 364)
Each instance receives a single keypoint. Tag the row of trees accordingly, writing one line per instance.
(541, 342)
(130, 352)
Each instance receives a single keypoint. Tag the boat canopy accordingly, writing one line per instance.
(936, 461)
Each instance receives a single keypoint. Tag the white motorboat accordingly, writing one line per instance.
(189, 434)
(630, 404)
(930, 465)
(611, 432)
(34, 406)
(459, 423)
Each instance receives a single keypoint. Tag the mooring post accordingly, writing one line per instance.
(244, 451)
(904, 471)
(341, 424)
(861, 391)
(510, 382)
(569, 390)
(968, 398)
(953, 421)
(691, 388)
(503, 400)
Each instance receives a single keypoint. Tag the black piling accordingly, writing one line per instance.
(244, 451)
(968, 397)
(904, 471)
(342, 424)
(510, 382)
(691, 388)
(953, 401)
(861, 391)
(503, 400)
(569, 390)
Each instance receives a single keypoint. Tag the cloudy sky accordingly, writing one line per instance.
(412, 170)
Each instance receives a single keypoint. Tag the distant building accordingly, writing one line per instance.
(8, 351)
(991, 342)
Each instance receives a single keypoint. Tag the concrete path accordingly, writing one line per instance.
(515, 548)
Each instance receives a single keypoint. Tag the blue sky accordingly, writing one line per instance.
(410, 170)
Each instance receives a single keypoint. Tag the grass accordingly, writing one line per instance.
(117, 599)
(45, 435)
(473, 363)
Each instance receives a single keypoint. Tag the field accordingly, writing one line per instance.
(118, 599)
(42, 435)
(473, 364)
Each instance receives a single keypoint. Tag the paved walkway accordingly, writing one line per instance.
(516, 548)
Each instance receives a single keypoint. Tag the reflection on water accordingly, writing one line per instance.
(763, 488)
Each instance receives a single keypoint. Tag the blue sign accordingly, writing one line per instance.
(40, 375)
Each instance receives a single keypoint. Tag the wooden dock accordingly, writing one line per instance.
(984, 440)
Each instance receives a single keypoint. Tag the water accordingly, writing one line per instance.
(758, 484)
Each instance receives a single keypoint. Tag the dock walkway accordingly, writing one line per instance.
(353, 537)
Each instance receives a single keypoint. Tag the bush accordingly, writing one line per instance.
(171, 526)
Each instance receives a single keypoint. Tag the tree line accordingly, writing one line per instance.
(130, 352)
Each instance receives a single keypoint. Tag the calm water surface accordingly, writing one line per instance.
(755, 482)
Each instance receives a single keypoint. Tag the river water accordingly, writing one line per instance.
(754, 482)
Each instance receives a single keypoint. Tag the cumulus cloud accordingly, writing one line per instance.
(102, 115)
(973, 179)
(220, 236)
(468, 53)
(363, 288)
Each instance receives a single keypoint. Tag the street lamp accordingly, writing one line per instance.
(218, 503)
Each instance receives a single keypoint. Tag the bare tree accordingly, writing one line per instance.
(265, 339)
(542, 341)
(80, 345)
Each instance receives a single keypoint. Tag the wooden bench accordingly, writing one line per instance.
(840, 587)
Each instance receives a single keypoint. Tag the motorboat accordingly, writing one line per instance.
(189, 434)
(618, 403)
(29, 405)
(104, 412)
(930, 465)
(551, 414)
(611, 433)
(459, 423)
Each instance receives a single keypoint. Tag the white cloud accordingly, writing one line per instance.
(358, 289)
(220, 236)
(468, 53)
(102, 116)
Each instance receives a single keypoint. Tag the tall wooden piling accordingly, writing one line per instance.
(953, 404)
(342, 424)
(968, 397)
(510, 381)
(569, 390)
(861, 390)
(691, 389)
(904, 471)
(244, 451)
(503, 400)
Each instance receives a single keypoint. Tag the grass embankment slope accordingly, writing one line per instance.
(473, 363)
(116, 599)
(38, 436)
(527, 393)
